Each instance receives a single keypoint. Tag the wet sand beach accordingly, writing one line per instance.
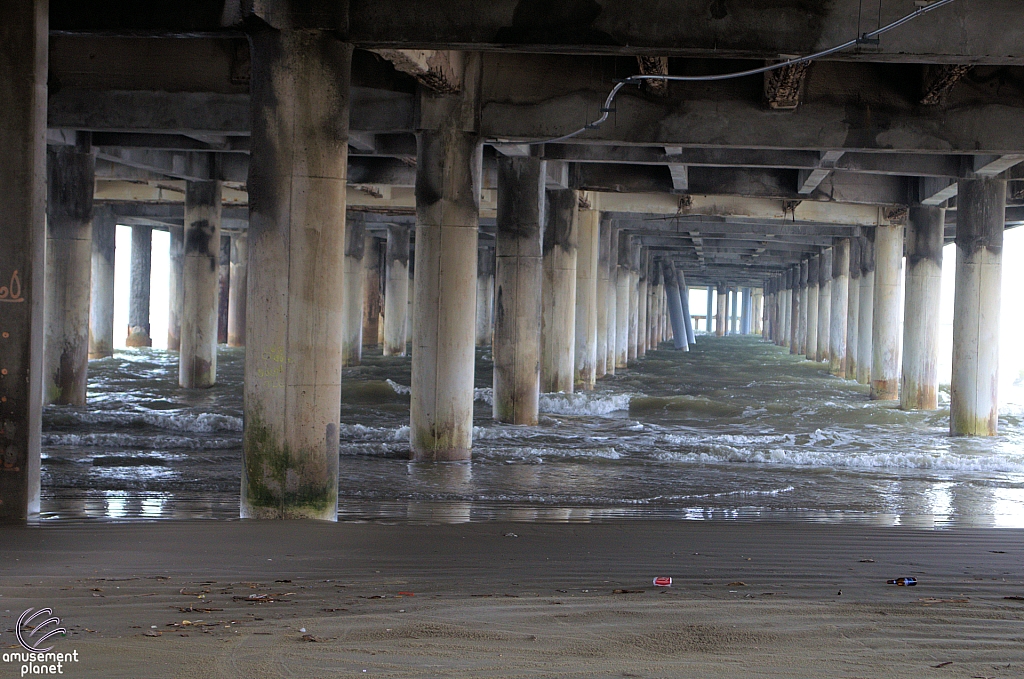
(495, 599)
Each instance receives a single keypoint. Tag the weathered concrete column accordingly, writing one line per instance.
(721, 313)
(447, 223)
(175, 286)
(372, 302)
(786, 324)
(633, 301)
(684, 299)
(622, 288)
(138, 300)
(23, 73)
(396, 290)
(71, 177)
(824, 305)
(974, 402)
(613, 302)
(746, 308)
(710, 310)
(866, 306)
(518, 277)
(853, 310)
(353, 293)
(297, 180)
(101, 302)
(558, 292)
(798, 312)
(484, 295)
(642, 305)
(813, 281)
(838, 312)
(757, 311)
(585, 321)
(885, 324)
(919, 385)
(675, 306)
(200, 315)
(603, 257)
(734, 298)
(239, 288)
(223, 289)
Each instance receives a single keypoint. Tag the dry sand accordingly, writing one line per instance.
(519, 600)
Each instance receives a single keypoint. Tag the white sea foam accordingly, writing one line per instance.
(198, 423)
(139, 441)
(583, 404)
(360, 432)
(399, 389)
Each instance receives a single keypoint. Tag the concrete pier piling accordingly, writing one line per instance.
(675, 306)
(642, 304)
(623, 284)
(633, 310)
(853, 310)
(839, 309)
(813, 280)
(239, 288)
(354, 295)
(223, 289)
(484, 296)
(885, 324)
(919, 384)
(518, 276)
(585, 354)
(447, 224)
(613, 302)
(101, 301)
(396, 290)
(708, 327)
(200, 314)
(721, 314)
(138, 300)
(974, 401)
(684, 299)
(558, 291)
(801, 328)
(373, 306)
(23, 76)
(786, 310)
(297, 199)
(69, 212)
(603, 258)
(796, 310)
(824, 305)
(865, 306)
(175, 286)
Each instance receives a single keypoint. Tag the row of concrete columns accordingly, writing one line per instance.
(843, 306)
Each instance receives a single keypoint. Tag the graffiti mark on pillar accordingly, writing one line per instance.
(12, 291)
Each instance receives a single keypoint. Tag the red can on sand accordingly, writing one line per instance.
(663, 582)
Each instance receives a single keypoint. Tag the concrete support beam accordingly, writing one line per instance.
(824, 306)
(484, 296)
(587, 276)
(101, 301)
(437, 70)
(373, 304)
(866, 307)
(197, 360)
(297, 179)
(354, 294)
(23, 75)
(396, 290)
(675, 306)
(840, 307)
(138, 300)
(853, 310)
(558, 292)
(447, 224)
(604, 256)
(974, 402)
(69, 213)
(518, 276)
(919, 386)
(885, 324)
(175, 286)
(239, 288)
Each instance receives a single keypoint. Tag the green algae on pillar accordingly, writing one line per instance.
(974, 398)
(297, 179)
(71, 171)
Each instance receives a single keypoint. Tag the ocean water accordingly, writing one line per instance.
(735, 429)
